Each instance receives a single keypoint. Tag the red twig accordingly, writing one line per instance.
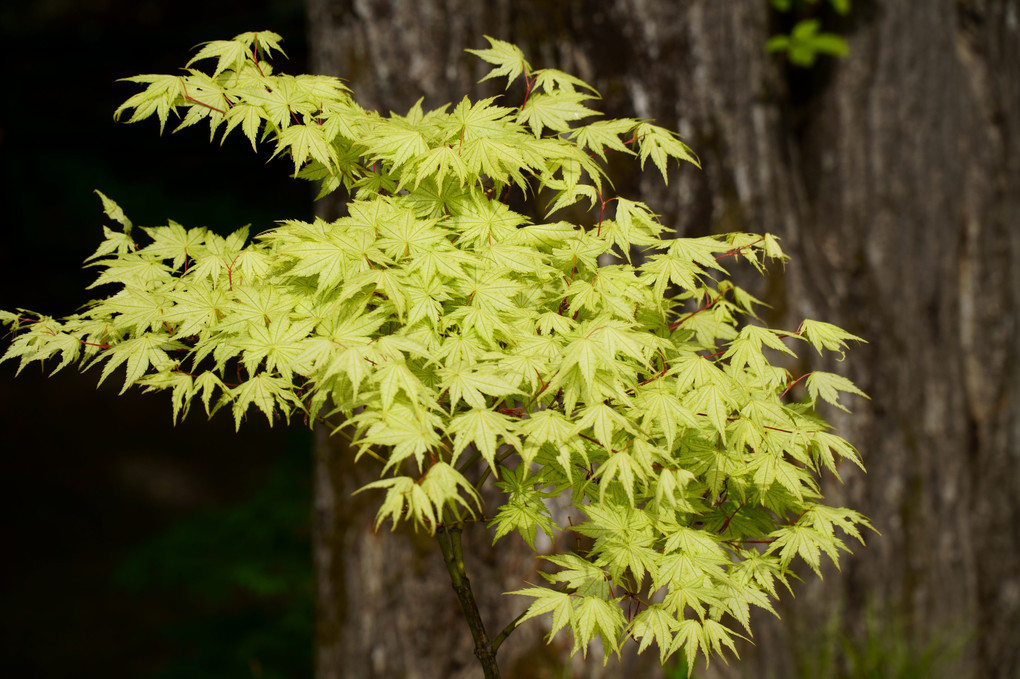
(792, 384)
(735, 251)
(255, 56)
(726, 524)
(230, 273)
(711, 304)
(602, 211)
(528, 83)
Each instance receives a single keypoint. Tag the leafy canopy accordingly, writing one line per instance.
(463, 343)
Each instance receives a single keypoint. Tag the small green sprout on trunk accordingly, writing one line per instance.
(463, 344)
(806, 41)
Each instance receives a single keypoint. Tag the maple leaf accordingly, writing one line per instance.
(160, 97)
(508, 58)
(228, 54)
(484, 428)
(826, 336)
(655, 625)
(660, 145)
(827, 387)
(604, 134)
(554, 111)
(173, 242)
(139, 354)
(306, 141)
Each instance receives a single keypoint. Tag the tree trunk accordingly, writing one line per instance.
(893, 177)
(906, 231)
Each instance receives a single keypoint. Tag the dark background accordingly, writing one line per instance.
(131, 547)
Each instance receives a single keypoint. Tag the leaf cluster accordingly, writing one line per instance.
(462, 343)
(806, 41)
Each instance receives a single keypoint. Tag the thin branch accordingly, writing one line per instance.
(449, 538)
(792, 384)
(510, 627)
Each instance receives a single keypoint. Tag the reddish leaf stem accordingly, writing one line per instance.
(792, 384)
(736, 251)
(255, 56)
(188, 97)
(697, 311)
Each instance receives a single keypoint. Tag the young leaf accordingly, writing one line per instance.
(508, 59)
(485, 429)
(827, 387)
(114, 212)
(594, 616)
(826, 336)
(554, 111)
(660, 145)
(138, 354)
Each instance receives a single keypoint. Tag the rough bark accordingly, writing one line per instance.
(908, 233)
(893, 177)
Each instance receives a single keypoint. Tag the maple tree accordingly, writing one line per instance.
(460, 344)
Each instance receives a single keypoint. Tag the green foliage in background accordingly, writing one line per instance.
(460, 344)
(234, 585)
(806, 41)
(883, 649)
